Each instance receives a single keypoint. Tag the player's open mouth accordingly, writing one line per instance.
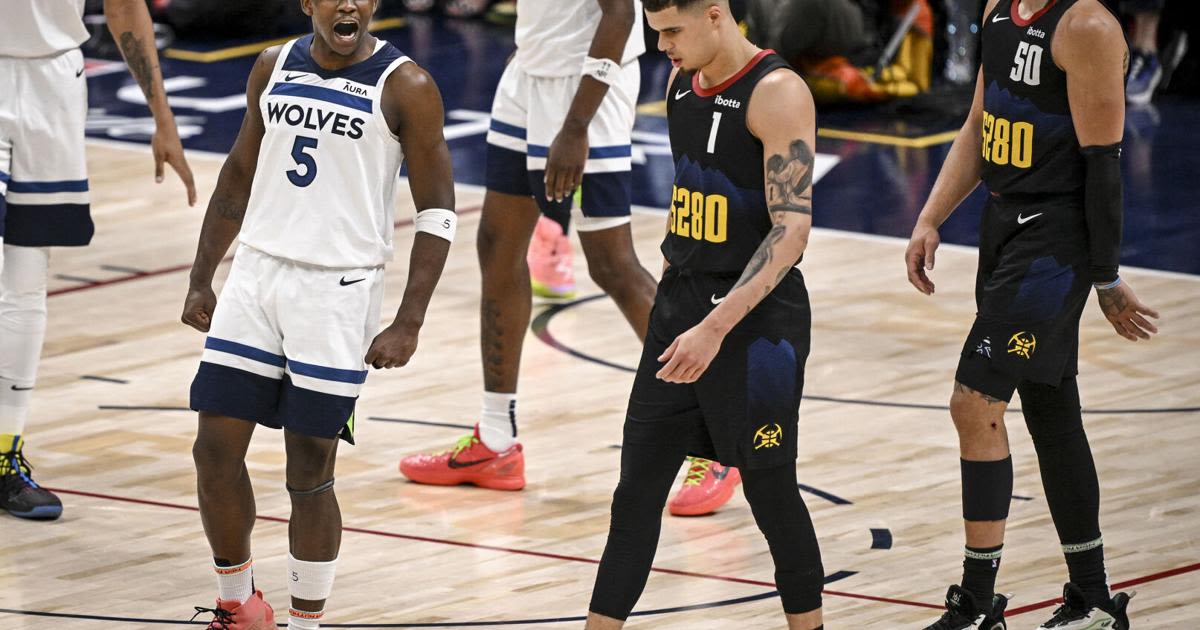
(346, 29)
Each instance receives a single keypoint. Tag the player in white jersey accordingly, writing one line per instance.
(310, 185)
(562, 116)
(44, 190)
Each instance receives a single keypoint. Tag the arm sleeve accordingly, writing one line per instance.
(1103, 207)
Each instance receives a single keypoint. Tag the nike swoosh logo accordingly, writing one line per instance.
(21, 389)
(79, 72)
(997, 18)
(679, 95)
(1023, 220)
(717, 300)
(344, 283)
(454, 463)
(291, 77)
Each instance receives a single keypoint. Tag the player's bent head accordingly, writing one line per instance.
(341, 24)
(689, 31)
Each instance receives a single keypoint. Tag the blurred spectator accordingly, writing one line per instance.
(453, 8)
(1145, 68)
(836, 44)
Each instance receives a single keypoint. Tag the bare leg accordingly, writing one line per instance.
(614, 265)
(315, 528)
(223, 486)
(983, 437)
(504, 232)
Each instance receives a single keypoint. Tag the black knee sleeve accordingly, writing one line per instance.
(647, 471)
(1068, 471)
(987, 489)
(321, 489)
(784, 520)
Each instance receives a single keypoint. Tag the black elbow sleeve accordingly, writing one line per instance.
(1103, 206)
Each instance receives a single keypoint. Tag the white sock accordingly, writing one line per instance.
(304, 620)
(498, 428)
(236, 582)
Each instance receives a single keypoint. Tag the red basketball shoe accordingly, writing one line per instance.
(468, 462)
(707, 486)
(254, 614)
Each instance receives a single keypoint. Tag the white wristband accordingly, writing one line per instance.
(1111, 285)
(438, 222)
(602, 70)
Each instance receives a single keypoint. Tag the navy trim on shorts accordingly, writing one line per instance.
(506, 172)
(607, 194)
(507, 129)
(242, 350)
(236, 393)
(60, 186)
(57, 224)
(356, 377)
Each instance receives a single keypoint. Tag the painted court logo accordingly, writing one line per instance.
(1022, 344)
(768, 436)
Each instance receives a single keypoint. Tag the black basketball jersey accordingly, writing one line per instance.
(1029, 143)
(718, 205)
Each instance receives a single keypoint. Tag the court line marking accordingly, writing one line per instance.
(253, 48)
(1153, 577)
(446, 624)
(176, 268)
(511, 550)
(540, 326)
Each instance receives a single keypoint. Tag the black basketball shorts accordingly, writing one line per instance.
(1030, 291)
(744, 410)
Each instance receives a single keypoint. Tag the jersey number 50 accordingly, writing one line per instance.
(303, 160)
(1027, 64)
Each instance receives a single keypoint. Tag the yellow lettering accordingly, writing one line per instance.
(1022, 145)
(1000, 142)
(684, 196)
(698, 215)
(716, 218)
(988, 121)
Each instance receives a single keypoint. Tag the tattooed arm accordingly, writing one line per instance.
(227, 207)
(129, 22)
(783, 117)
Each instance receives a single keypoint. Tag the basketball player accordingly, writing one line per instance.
(722, 369)
(562, 118)
(309, 190)
(44, 190)
(1050, 103)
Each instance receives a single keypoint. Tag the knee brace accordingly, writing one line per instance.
(319, 490)
(987, 489)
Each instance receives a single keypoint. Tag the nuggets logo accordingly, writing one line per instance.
(1022, 344)
(768, 436)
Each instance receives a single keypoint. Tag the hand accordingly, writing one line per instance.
(564, 166)
(919, 256)
(167, 148)
(689, 355)
(1123, 310)
(393, 346)
(198, 308)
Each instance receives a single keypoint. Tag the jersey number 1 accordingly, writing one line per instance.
(712, 135)
(303, 160)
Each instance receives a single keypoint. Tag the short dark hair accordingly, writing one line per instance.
(655, 6)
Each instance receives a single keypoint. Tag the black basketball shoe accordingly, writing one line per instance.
(1076, 613)
(963, 614)
(20, 495)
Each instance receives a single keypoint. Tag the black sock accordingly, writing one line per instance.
(1085, 564)
(980, 566)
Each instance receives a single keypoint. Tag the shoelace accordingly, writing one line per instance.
(14, 463)
(220, 616)
(696, 474)
(1064, 613)
(461, 445)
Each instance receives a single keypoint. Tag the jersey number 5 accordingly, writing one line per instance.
(1027, 65)
(303, 160)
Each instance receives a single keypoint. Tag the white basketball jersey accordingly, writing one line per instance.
(553, 36)
(41, 28)
(324, 192)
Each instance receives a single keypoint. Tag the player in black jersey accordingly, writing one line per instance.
(1044, 135)
(722, 368)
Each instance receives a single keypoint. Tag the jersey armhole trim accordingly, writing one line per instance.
(377, 109)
